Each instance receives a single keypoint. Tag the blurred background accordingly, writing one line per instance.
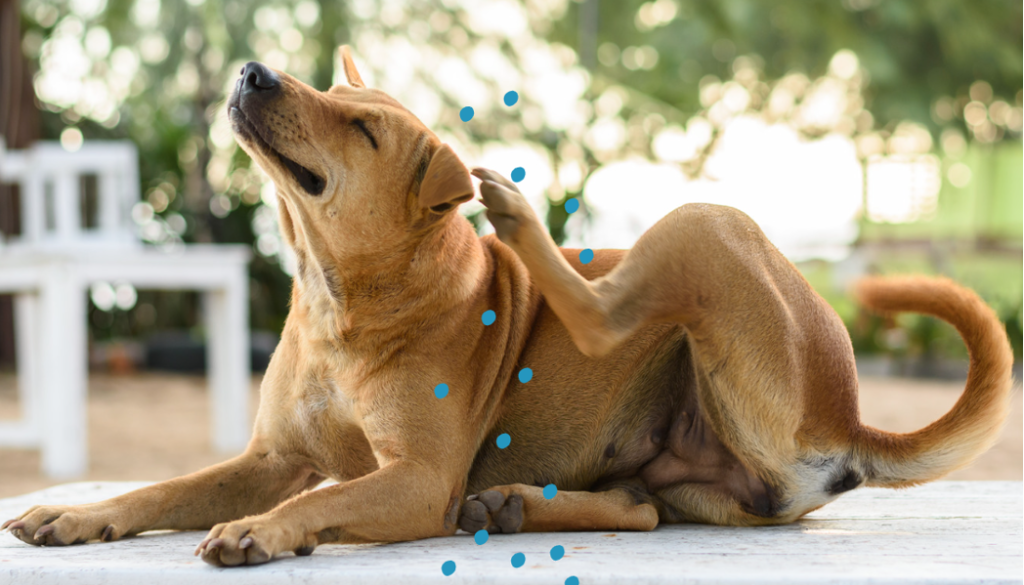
(864, 136)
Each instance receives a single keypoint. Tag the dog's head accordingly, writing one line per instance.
(354, 170)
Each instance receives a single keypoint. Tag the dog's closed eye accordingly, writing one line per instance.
(362, 126)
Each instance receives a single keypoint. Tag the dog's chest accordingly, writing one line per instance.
(323, 400)
(324, 423)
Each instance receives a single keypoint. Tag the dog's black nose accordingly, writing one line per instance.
(258, 77)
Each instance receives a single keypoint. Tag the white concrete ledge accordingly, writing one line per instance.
(946, 532)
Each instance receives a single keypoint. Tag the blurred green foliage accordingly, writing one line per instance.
(913, 52)
(922, 62)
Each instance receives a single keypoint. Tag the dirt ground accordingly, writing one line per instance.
(156, 426)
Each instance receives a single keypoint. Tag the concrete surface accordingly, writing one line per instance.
(945, 532)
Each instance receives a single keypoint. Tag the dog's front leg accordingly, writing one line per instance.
(251, 483)
(401, 501)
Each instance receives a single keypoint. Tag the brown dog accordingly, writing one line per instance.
(697, 377)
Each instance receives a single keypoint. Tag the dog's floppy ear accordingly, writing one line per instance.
(351, 73)
(446, 182)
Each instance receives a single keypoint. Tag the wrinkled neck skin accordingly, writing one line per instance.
(369, 306)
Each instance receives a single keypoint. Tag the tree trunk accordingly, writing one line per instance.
(19, 126)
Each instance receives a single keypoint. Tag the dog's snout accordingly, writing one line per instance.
(257, 77)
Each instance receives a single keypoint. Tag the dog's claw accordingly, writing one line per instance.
(13, 525)
(44, 530)
(245, 542)
(202, 545)
(487, 175)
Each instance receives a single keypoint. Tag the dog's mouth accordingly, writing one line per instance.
(310, 182)
(307, 179)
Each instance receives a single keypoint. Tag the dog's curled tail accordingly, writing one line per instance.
(974, 423)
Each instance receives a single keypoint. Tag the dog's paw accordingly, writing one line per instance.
(62, 525)
(252, 541)
(492, 511)
(507, 209)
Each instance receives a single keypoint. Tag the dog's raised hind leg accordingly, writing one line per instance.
(578, 302)
(665, 277)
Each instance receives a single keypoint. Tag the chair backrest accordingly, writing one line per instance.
(71, 199)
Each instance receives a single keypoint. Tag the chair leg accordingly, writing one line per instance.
(25, 433)
(63, 376)
(26, 331)
(227, 358)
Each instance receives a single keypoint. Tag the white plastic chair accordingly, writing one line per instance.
(49, 269)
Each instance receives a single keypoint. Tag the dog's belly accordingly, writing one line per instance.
(581, 421)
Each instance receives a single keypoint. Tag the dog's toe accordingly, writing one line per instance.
(492, 511)
(473, 516)
(493, 499)
(510, 517)
(489, 175)
(59, 525)
(211, 552)
(46, 535)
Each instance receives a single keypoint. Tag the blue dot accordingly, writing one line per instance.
(481, 536)
(518, 174)
(503, 440)
(525, 375)
(572, 581)
(518, 560)
(557, 552)
(572, 205)
(586, 256)
(448, 568)
(488, 317)
(466, 114)
(511, 98)
(441, 390)
(549, 491)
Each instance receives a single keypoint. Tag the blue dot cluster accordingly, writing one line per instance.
(525, 375)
